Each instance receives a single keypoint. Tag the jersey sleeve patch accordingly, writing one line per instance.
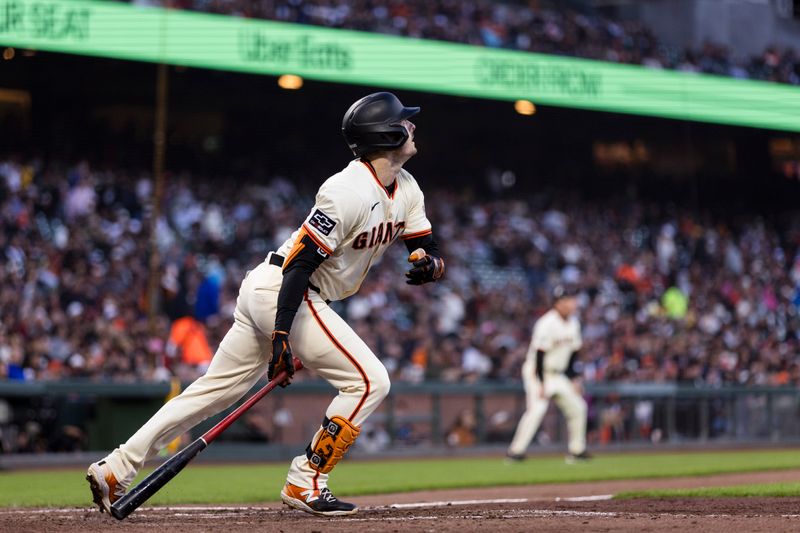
(321, 222)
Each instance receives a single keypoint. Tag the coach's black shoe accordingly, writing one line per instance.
(318, 502)
(578, 457)
(514, 458)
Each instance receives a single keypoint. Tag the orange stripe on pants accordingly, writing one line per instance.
(346, 354)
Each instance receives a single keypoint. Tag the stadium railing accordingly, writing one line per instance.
(421, 416)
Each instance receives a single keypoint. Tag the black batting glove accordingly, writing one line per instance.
(281, 358)
(426, 268)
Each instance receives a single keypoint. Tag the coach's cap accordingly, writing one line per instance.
(563, 291)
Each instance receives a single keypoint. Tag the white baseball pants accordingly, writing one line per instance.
(319, 338)
(571, 403)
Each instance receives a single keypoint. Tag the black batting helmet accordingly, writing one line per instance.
(373, 123)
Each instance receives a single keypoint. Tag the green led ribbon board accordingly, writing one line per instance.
(124, 31)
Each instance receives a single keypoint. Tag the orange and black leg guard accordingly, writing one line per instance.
(331, 443)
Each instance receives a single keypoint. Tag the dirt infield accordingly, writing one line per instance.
(576, 507)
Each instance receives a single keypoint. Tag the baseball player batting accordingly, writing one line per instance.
(282, 311)
(548, 372)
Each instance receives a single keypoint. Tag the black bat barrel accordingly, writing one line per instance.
(152, 483)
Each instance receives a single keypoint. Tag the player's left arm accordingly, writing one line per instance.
(572, 372)
(306, 256)
(425, 257)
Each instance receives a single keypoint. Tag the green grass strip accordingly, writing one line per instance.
(739, 491)
(256, 483)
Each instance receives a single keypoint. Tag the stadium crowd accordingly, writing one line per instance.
(520, 26)
(667, 294)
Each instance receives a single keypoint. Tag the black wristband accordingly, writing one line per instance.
(426, 242)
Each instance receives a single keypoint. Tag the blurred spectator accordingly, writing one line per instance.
(188, 341)
(373, 438)
(675, 303)
(667, 294)
(462, 433)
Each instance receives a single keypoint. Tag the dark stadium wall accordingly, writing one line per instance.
(228, 126)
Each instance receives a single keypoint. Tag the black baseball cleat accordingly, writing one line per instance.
(318, 502)
(578, 458)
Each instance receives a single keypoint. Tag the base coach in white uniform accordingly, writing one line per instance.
(549, 372)
(359, 212)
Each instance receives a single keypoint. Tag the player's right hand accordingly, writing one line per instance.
(426, 267)
(281, 358)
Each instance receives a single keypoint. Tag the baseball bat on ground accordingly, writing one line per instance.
(164, 473)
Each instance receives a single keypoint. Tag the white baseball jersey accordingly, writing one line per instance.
(557, 338)
(353, 221)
